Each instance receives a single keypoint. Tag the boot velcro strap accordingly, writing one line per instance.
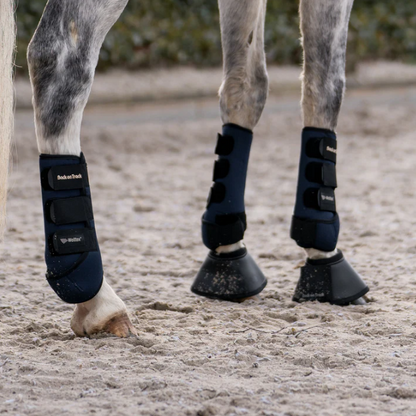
(221, 169)
(328, 149)
(225, 145)
(326, 199)
(329, 175)
(322, 148)
(228, 229)
(70, 210)
(304, 231)
(324, 173)
(216, 193)
(320, 198)
(74, 241)
(66, 177)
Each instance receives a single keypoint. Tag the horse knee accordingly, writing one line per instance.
(243, 95)
(321, 101)
(261, 86)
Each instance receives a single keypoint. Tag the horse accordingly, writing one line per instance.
(62, 57)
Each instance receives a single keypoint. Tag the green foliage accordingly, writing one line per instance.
(154, 33)
(165, 32)
(383, 29)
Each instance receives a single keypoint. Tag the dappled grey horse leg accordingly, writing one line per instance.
(62, 58)
(326, 276)
(244, 89)
(229, 272)
(324, 27)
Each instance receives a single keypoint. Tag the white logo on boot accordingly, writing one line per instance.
(68, 177)
(331, 149)
(71, 240)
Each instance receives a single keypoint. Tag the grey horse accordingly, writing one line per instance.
(62, 58)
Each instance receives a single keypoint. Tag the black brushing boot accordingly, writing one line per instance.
(72, 254)
(228, 276)
(315, 224)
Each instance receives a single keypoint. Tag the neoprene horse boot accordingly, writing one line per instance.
(228, 276)
(316, 224)
(72, 255)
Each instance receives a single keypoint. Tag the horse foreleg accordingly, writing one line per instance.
(315, 225)
(62, 58)
(229, 272)
(7, 41)
(244, 89)
(324, 27)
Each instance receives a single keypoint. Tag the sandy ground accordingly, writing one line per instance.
(150, 169)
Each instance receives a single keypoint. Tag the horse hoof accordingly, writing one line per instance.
(330, 280)
(120, 326)
(229, 276)
(106, 313)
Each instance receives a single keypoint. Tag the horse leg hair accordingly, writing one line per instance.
(62, 57)
(244, 89)
(324, 27)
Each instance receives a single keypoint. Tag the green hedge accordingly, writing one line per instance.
(170, 32)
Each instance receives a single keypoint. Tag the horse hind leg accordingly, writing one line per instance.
(62, 57)
(7, 42)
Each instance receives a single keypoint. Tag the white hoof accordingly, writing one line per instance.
(106, 313)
